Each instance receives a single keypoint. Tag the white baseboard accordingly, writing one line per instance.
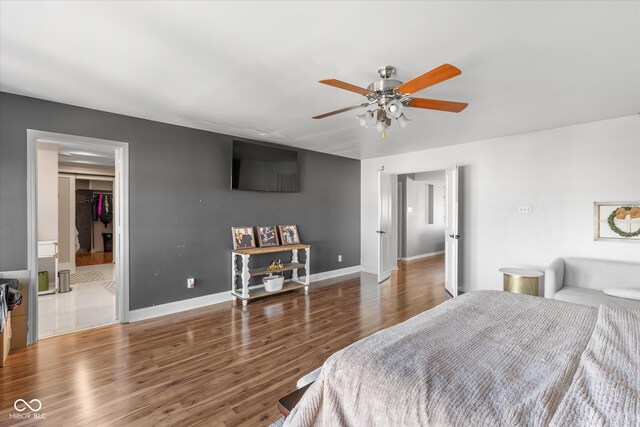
(203, 301)
(411, 258)
(178, 306)
(335, 273)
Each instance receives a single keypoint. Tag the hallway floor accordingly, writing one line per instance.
(92, 302)
(93, 258)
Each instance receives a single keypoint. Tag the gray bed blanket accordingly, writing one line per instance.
(606, 387)
(487, 358)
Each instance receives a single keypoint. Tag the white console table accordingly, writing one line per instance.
(245, 272)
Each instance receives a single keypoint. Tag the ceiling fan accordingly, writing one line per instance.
(390, 97)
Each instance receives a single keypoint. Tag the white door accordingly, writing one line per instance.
(452, 236)
(387, 189)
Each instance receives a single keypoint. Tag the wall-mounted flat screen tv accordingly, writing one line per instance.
(258, 167)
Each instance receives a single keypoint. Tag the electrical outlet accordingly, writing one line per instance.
(339, 258)
(524, 209)
(191, 282)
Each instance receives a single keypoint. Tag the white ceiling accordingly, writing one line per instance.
(85, 158)
(83, 155)
(240, 67)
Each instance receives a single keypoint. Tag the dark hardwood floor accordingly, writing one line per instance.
(212, 366)
(93, 258)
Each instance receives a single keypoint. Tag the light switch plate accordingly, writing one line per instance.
(525, 209)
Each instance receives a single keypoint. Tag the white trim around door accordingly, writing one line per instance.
(121, 220)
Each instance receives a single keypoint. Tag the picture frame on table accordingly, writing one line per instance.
(243, 237)
(267, 236)
(289, 234)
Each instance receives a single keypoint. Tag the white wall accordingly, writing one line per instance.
(47, 189)
(559, 172)
(64, 220)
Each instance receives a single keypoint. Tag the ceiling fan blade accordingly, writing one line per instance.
(346, 86)
(342, 110)
(436, 104)
(430, 78)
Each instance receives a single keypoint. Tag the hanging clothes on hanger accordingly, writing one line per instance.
(107, 210)
(102, 208)
(94, 207)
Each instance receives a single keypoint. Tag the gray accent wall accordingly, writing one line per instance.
(181, 205)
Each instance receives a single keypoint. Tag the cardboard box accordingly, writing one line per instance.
(18, 331)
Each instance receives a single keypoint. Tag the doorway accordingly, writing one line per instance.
(78, 233)
(423, 222)
(421, 215)
(94, 213)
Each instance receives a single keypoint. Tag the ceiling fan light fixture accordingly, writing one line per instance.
(366, 118)
(363, 120)
(394, 109)
(388, 97)
(402, 120)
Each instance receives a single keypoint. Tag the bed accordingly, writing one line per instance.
(486, 358)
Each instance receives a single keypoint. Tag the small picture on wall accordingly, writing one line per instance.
(617, 221)
(243, 237)
(268, 236)
(289, 234)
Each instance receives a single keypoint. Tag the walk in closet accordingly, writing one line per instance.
(94, 215)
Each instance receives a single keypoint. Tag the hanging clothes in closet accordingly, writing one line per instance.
(102, 208)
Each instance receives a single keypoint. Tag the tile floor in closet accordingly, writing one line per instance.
(90, 303)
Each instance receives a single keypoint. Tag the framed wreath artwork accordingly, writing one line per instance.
(617, 221)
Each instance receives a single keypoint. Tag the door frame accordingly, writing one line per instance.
(394, 230)
(121, 220)
(73, 176)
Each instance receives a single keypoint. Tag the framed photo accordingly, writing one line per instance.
(289, 234)
(243, 237)
(267, 236)
(617, 221)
